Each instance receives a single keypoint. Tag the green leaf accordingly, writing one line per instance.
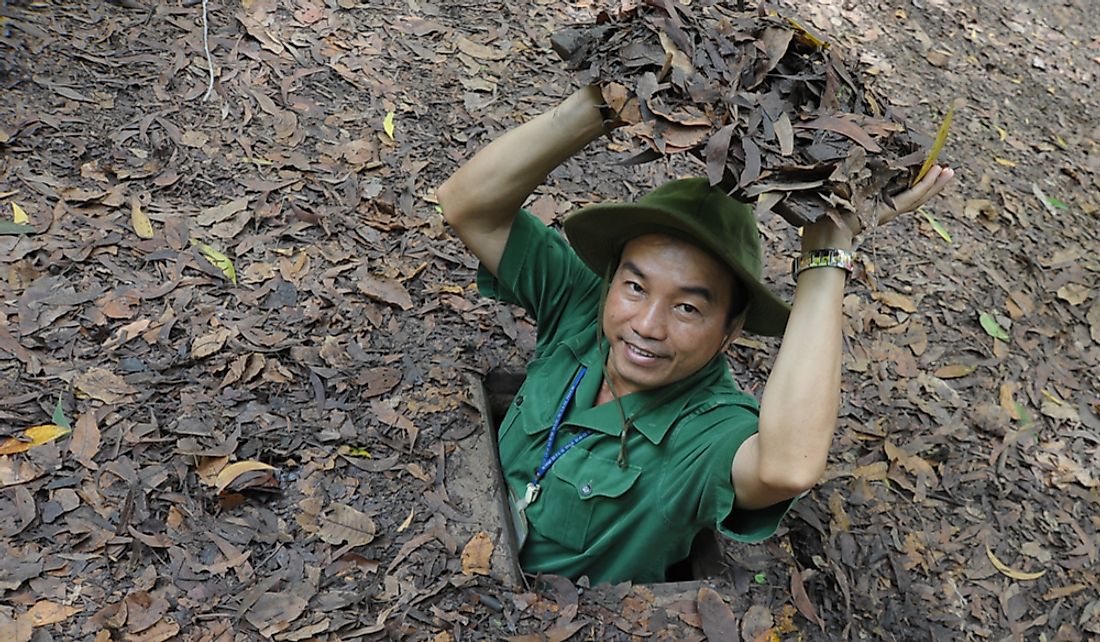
(991, 327)
(59, 417)
(220, 261)
(1059, 204)
(1025, 416)
(760, 578)
(387, 124)
(940, 229)
(9, 228)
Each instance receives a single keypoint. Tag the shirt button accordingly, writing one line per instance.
(519, 401)
(586, 490)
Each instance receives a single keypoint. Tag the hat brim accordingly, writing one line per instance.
(598, 232)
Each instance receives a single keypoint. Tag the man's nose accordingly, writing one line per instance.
(651, 321)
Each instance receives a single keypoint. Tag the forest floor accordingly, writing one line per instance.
(962, 499)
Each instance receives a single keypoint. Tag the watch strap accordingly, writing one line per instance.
(827, 257)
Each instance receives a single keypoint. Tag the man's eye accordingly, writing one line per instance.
(634, 287)
(688, 308)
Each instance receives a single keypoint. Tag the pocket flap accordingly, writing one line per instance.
(592, 476)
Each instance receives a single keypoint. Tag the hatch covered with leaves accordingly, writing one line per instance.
(779, 116)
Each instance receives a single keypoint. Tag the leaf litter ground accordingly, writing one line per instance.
(962, 497)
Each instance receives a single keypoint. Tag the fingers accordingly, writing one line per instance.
(934, 182)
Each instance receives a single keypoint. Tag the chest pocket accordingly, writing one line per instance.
(583, 497)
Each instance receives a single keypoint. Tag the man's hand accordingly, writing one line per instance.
(825, 233)
(934, 182)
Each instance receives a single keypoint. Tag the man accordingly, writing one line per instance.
(629, 436)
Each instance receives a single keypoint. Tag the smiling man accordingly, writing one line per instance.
(629, 435)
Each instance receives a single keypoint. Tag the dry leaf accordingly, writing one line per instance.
(408, 521)
(718, 622)
(209, 343)
(476, 554)
(559, 633)
(31, 437)
(84, 444)
(757, 622)
(342, 523)
(44, 613)
(143, 227)
(896, 300)
(385, 290)
(162, 631)
(480, 51)
(17, 630)
(99, 383)
(802, 601)
(1010, 572)
(18, 214)
(1093, 317)
(230, 473)
(1074, 293)
(954, 371)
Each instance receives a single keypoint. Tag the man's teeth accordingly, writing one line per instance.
(644, 353)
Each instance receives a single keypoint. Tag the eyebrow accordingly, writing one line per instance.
(697, 290)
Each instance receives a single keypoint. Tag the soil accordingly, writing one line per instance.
(962, 500)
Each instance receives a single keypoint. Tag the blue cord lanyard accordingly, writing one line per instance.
(548, 459)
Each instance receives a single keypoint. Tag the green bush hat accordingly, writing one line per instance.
(695, 211)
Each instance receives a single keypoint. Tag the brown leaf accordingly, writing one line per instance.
(554, 634)
(757, 621)
(845, 127)
(385, 290)
(14, 471)
(784, 133)
(44, 613)
(379, 381)
(954, 371)
(896, 300)
(217, 214)
(143, 610)
(17, 630)
(228, 475)
(342, 523)
(480, 51)
(1093, 317)
(1074, 293)
(84, 442)
(17, 511)
(476, 554)
(104, 385)
(209, 343)
(719, 623)
(165, 629)
(717, 151)
(802, 601)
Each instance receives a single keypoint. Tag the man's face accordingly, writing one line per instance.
(666, 312)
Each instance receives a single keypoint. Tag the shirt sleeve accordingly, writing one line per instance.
(540, 272)
(716, 438)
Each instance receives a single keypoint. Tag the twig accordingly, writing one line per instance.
(206, 48)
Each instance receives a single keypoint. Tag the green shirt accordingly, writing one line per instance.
(593, 517)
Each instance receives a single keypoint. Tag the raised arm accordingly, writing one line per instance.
(481, 198)
(798, 411)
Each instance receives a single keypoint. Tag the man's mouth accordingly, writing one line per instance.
(640, 353)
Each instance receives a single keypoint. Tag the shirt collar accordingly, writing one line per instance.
(655, 422)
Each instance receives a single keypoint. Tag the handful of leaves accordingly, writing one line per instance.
(778, 115)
